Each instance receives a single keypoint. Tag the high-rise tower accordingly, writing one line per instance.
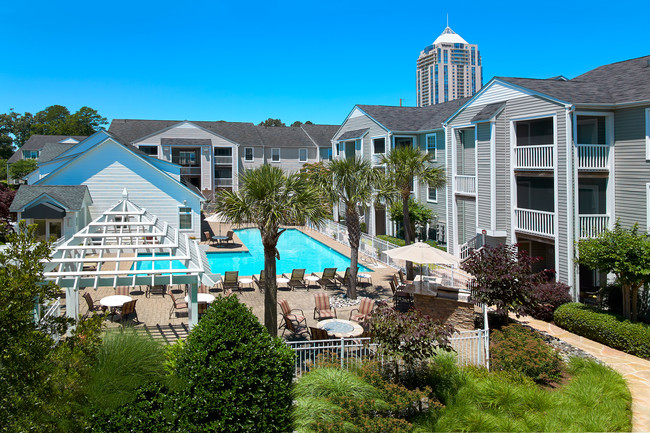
(448, 69)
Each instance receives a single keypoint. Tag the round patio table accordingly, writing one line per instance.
(312, 280)
(219, 239)
(340, 328)
(247, 281)
(202, 297)
(114, 301)
(281, 280)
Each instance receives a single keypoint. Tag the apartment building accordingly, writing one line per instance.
(371, 131)
(546, 162)
(212, 154)
(448, 69)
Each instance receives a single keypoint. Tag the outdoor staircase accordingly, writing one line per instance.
(474, 244)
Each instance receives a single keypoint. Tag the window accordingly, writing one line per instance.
(30, 154)
(184, 218)
(248, 154)
(302, 155)
(275, 155)
(150, 150)
(432, 195)
(403, 142)
(325, 153)
(647, 133)
(186, 158)
(432, 146)
(379, 145)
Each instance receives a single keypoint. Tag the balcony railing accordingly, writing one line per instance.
(465, 185)
(593, 225)
(223, 160)
(538, 157)
(191, 171)
(536, 222)
(222, 182)
(593, 156)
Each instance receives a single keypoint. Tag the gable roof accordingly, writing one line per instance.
(52, 150)
(70, 196)
(284, 136)
(413, 118)
(488, 111)
(38, 142)
(321, 134)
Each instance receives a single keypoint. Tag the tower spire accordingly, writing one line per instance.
(447, 20)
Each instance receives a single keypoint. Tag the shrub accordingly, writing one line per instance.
(443, 376)
(237, 376)
(396, 241)
(546, 298)
(609, 329)
(517, 348)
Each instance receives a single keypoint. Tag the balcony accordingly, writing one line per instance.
(191, 171)
(223, 160)
(538, 157)
(593, 157)
(224, 182)
(465, 185)
(593, 225)
(535, 222)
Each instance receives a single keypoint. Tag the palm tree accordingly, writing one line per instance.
(270, 198)
(403, 165)
(353, 182)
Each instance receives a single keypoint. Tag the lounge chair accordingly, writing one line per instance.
(93, 306)
(318, 334)
(176, 305)
(328, 279)
(322, 308)
(288, 315)
(345, 280)
(231, 280)
(364, 311)
(297, 279)
(260, 282)
(127, 309)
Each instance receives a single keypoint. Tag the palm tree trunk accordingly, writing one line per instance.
(408, 236)
(271, 291)
(354, 234)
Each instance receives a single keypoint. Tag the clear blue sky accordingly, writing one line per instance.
(247, 61)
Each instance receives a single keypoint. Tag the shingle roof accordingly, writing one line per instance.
(52, 150)
(71, 196)
(321, 134)
(357, 133)
(284, 136)
(413, 118)
(186, 141)
(37, 142)
(488, 111)
(627, 81)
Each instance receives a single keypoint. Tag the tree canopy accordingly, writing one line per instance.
(272, 122)
(419, 213)
(22, 168)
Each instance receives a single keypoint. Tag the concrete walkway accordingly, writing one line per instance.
(636, 371)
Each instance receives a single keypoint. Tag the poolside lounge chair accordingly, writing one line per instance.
(288, 315)
(260, 282)
(322, 308)
(127, 309)
(231, 280)
(345, 280)
(318, 334)
(297, 279)
(93, 306)
(364, 311)
(328, 279)
(176, 305)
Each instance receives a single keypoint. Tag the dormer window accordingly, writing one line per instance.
(30, 154)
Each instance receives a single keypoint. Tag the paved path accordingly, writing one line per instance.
(636, 371)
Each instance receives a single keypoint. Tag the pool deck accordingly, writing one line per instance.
(153, 312)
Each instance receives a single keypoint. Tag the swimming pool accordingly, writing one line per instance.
(159, 264)
(297, 251)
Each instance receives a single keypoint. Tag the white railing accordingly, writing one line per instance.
(593, 156)
(465, 185)
(538, 157)
(223, 160)
(535, 221)
(222, 182)
(53, 311)
(473, 244)
(471, 347)
(593, 225)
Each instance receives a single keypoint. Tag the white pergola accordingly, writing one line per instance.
(97, 256)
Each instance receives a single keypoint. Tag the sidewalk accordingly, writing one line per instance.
(636, 371)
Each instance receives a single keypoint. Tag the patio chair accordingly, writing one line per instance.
(231, 281)
(127, 309)
(402, 278)
(229, 239)
(297, 279)
(156, 289)
(319, 334)
(328, 279)
(364, 311)
(398, 285)
(202, 308)
(176, 305)
(122, 290)
(289, 315)
(203, 289)
(298, 329)
(93, 306)
(322, 308)
(398, 294)
(208, 238)
(260, 282)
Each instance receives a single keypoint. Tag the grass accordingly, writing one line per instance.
(595, 399)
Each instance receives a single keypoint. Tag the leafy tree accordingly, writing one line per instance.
(296, 123)
(319, 175)
(624, 253)
(22, 168)
(6, 150)
(353, 183)
(6, 198)
(272, 122)
(270, 198)
(3, 167)
(403, 165)
(504, 278)
(420, 214)
(309, 122)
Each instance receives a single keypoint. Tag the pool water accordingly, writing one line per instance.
(297, 251)
(159, 264)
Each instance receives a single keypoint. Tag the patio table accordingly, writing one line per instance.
(219, 239)
(282, 280)
(247, 281)
(340, 328)
(202, 297)
(312, 280)
(113, 302)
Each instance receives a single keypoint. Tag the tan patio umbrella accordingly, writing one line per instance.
(216, 218)
(422, 253)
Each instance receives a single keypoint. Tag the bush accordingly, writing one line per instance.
(546, 298)
(397, 241)
(516, 348)
(609, 329)
(444, 377)
(238, 377)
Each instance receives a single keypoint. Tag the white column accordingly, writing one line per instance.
(193, 305)
(72, 303)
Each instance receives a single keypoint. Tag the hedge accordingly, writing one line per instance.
(609, 329)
